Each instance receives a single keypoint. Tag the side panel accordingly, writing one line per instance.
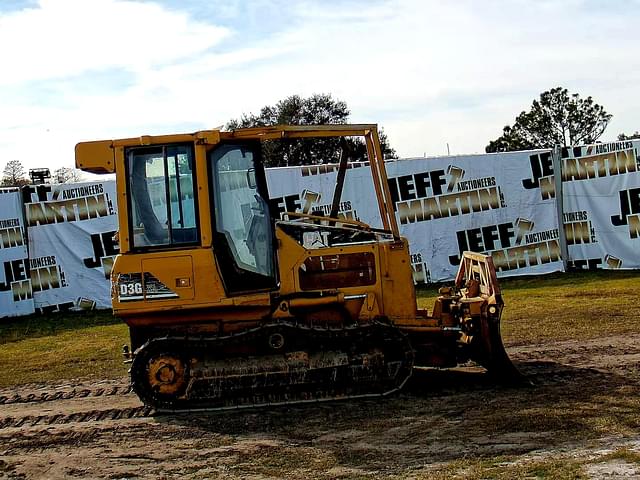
(379, 271)
(175, 275)
(191, 275)
(399, 296)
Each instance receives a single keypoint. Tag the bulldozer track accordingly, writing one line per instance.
(542, 372)
(275, 397)
(76, 417)
(49, 396)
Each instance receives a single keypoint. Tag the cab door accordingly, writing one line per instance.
(244, 242)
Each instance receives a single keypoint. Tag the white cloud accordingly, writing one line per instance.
(67, 37)
(431, 72)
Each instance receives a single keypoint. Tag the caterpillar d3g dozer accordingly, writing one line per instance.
(229, 307)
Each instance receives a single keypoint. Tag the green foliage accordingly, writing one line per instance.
(67, 175)
(319, 109)
(14, 174)
(557, 118)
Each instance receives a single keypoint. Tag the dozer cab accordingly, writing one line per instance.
(229, 307)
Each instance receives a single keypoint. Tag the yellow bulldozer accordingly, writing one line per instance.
(229, 306)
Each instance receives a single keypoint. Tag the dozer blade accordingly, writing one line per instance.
(487, 348)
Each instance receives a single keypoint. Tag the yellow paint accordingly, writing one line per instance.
(193, 273)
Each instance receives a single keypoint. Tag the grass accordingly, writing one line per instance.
(624, 454)
(45, 325)
(509, 468)
(42, 348)
(512, 467)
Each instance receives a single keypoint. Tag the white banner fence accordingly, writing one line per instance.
(504, 204)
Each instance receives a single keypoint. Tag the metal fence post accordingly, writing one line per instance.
(556, 156)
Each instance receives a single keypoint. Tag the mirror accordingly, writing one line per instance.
(251, 178)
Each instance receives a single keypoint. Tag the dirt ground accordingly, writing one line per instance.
(581, 419)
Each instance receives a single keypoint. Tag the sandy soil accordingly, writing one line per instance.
(583, 411)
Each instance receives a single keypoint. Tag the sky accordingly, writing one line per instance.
(435, 74)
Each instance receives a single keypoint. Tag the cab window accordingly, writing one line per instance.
(161, 186)
(243, 228)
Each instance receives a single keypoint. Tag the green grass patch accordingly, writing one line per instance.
(52, 324)
(43, 348)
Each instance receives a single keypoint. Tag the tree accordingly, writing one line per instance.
(557, 118)
(315, 110)
(14, 174)
(633, 136)
(67, 175)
